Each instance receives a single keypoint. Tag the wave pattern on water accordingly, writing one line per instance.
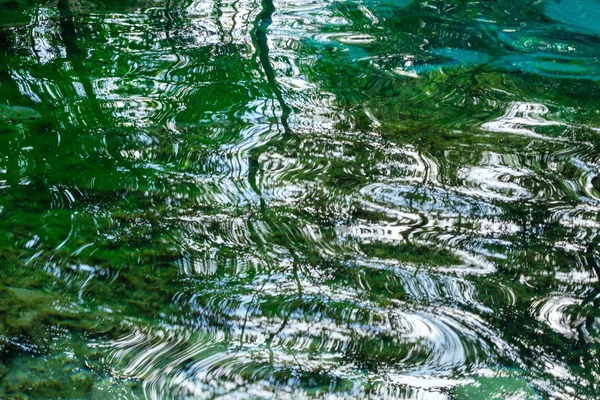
(299, 199)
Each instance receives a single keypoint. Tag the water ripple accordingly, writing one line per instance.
(299, 199)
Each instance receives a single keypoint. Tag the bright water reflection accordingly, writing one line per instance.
(299, 199)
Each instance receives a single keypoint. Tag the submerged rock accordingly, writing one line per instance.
(446, 58)
(43, 377)
(581, 15)
(17, 113)
(548, 64)
(508, 385)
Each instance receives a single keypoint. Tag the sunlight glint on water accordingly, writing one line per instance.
(299, 199)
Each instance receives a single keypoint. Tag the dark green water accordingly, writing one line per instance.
(300, 199)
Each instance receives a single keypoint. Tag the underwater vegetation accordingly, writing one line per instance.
(307, 199)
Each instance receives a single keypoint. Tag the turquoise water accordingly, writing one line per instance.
(300, 199)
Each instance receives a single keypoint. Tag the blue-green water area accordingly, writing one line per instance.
(300, 199)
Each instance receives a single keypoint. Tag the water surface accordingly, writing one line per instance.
(299, 199)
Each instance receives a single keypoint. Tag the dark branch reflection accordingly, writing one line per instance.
(294, 199)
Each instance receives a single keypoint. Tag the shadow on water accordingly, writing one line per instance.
(276, 199)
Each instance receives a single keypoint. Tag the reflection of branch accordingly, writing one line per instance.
(233, 18)
(31, 37)
(219, 13)
(592, 299)
(261, 24)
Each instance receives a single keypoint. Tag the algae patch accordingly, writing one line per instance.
(17, 113)
(505, 386)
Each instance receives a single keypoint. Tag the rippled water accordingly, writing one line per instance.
(300, 199)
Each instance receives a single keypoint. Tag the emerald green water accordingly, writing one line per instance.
(300, 199)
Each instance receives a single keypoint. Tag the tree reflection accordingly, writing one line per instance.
(301, 196)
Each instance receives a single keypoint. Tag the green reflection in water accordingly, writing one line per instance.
(299, 199)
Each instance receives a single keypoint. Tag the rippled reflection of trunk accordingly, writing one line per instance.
(68, 33)
(262, 23)
(7, 141)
